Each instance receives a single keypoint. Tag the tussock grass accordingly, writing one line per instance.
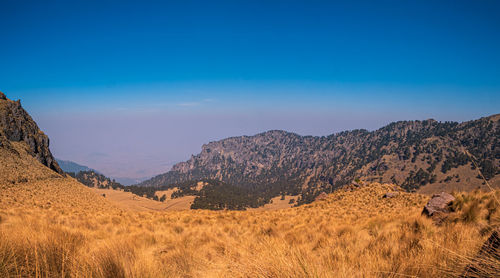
(351, 234)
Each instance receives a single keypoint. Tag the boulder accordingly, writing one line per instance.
(439, 203)
(321, 196)
(356, 184)
(2, 96)
(391, 194)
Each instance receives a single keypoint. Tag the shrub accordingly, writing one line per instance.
(470, 213)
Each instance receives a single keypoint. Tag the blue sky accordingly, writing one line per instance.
(131, 87)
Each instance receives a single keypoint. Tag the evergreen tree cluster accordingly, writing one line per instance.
(91, 178)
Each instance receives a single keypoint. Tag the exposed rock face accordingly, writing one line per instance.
(321, 196)
(16, 125)
(391, 194)
(438, 207)
(410, 153)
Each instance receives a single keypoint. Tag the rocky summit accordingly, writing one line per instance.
(16, 125)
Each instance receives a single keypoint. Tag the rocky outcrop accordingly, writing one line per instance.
(438, 203)
(322, 196)
(16, 125)
(438, 207)
(390, 195)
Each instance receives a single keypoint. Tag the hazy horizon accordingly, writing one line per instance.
(131, 89)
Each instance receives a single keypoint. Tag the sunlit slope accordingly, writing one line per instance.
(25, 183)
(17, 166)
(64, 195)
(130, 201)
(354, 232)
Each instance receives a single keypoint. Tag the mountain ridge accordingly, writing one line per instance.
(414, 153)
(69, 166)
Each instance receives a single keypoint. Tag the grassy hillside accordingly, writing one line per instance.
(130, 201)
(18, 166)
(353, 233)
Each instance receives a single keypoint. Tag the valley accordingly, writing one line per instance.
(54, 224)
(250, 139)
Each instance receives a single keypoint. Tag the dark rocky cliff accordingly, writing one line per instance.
(16, 125)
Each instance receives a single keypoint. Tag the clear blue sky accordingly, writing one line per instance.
(130, 87)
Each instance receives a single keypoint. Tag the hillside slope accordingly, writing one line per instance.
(354, 232)
(25, 184)
(413, 154)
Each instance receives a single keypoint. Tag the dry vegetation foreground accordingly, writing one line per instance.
(59, 228)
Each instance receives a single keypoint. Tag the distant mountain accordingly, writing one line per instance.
(72, 167)
(418, 155)
(130, 181)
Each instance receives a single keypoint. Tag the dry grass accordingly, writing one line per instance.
(277, 203)
(351, 234)
(17, 166)
(128, 200)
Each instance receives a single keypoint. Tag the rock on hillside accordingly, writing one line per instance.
(16, 125)
(438, 203)
(438, 207)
